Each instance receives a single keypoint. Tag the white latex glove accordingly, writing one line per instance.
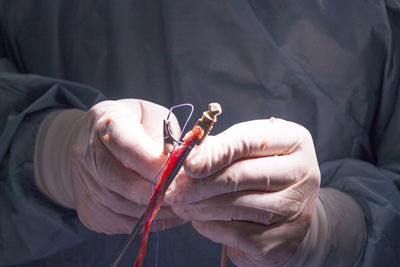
(254, 188)
(102, 162)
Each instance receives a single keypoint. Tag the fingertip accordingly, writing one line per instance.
(201, 161)
(195, 168)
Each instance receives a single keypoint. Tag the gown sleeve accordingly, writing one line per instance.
(31, 226)
(376, 185)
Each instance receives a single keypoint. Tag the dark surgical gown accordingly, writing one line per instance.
(330, 65)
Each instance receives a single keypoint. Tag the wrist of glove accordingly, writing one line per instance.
(52, 157)
(337, 233)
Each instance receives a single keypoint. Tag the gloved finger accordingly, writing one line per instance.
(265, 174)
(128, 142)
(251, 139)
(152, 117)
(133, 133)
(257, 207)
(121, 205)
(265, 244)
(101, 219)
(110, 173)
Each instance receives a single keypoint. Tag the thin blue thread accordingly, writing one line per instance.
(158, 174)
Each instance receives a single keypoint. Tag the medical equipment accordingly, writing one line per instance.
(174, 163)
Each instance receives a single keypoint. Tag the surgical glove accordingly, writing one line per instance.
(103, 162)
(254, 188)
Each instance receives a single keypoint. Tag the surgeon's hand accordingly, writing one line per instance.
(253, 188)
(106, 162)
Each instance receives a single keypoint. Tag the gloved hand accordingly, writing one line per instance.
(253, 188)
(102, 162)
